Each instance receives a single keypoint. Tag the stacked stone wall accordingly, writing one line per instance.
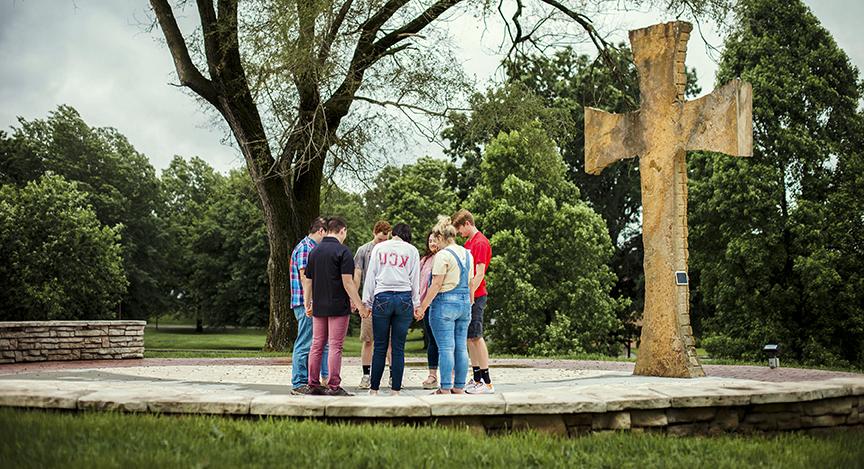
(33, 341)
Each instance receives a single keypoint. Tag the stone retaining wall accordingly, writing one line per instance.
(31, 341)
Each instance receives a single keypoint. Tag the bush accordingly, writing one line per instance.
(56, 260)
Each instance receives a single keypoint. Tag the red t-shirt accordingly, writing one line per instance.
(481, 251)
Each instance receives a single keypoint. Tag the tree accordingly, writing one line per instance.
(775, 237)
(57, 261)
(550, 275)
(190, 187)
(286, 92)
(229, 250)
(118, 182)
(554, 90)
(349, 205)
(416, 194)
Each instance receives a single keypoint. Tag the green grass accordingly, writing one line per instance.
(69, 440)
(181, 341)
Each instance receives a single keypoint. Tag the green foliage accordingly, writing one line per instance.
(57, 261)
(553, 90)
(415, 194)
(776, 238)
(117, 181)
(349, 205)
(549, 279)
(230, 251)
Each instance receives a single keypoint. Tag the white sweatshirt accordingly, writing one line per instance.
(394, 266)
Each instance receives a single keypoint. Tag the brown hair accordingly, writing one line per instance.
(318, 224)
(462, 217)
(335, 224)
(381, 227)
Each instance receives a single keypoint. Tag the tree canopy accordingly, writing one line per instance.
(774, 237)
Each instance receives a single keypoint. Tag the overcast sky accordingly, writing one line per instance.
(96, 56)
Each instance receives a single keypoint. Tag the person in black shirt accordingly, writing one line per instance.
(329, 302)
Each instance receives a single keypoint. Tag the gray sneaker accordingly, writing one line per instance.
(365, 382)
(303, 389)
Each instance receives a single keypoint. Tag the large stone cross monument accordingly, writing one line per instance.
(660, 133)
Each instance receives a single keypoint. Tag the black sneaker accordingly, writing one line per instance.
(338, 392)
(318, 391)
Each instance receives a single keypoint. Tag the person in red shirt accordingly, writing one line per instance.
(481, 251)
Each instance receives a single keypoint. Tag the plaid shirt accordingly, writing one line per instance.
(299, 259)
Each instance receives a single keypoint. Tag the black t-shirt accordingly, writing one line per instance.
(327, 263)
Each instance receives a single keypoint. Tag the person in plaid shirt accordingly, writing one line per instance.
(299, 282)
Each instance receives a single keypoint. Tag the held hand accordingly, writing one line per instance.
(309, 311)
(353, 306)
(365, 312)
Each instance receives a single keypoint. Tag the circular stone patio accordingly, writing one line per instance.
(560, 396)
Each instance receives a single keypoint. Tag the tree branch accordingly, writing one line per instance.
(187, 72)
(412, 107)
(209, 28)
(330, 37)
(600, 43)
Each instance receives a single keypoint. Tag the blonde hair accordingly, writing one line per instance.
(444, 229)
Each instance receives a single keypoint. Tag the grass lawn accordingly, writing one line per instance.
(181, 341)
(49, 439)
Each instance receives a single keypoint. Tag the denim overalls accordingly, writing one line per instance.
(449, 315)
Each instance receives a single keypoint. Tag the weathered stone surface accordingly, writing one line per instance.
(611, 421)
(201, 403)
(483, 404)
(377, 406)
(799, 392)
(290, 406)
(688, 429)
(823, 420)
(628, 397)
(703, 396)
(548, 423)
(551, 403)
(841, 405)
(660, 133)
(690, 415)
(648, 418)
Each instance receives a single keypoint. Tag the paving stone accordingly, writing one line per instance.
(799, 392)
(201, 403)
(552, 403)
(377, 406)
(692, 396)
(481, 404)
(628, 397)
(288, 405)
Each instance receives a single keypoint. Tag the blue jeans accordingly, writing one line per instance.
(431, 345)
(300, 356)
(449, 316)
(392, 314)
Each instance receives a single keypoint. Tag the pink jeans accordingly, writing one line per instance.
(331, 330)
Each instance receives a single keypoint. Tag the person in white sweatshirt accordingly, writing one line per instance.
(392, 291)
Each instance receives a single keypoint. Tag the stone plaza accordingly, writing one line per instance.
(563, 397)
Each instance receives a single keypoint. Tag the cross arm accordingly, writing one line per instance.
(722, 121)
(610, 137)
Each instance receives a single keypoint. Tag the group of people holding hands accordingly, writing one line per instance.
(390, 284)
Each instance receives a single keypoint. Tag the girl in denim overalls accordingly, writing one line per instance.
(450, 313)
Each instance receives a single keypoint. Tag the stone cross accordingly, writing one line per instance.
(660, 133)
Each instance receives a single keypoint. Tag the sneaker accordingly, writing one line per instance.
(301, 390)
(431, 382)
(481, 388)
(338, 392)
(317, 391)
(365, 382)
(470, 384)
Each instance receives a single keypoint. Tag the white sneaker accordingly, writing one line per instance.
(481, 388)
(365, 382)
